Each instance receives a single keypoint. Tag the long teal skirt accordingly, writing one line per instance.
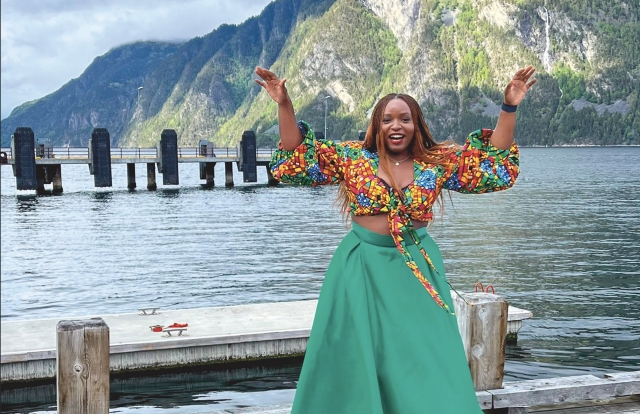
(379, 342)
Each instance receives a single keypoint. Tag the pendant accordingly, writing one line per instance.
(397, 163)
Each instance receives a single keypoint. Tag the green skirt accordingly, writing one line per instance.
(379, 342)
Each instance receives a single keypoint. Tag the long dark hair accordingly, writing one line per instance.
(422, 147)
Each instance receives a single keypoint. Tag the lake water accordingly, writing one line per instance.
(564, 243)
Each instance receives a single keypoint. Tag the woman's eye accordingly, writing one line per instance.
(386, 121)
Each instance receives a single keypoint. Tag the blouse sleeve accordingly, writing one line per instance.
(479, 167)
(313, 162)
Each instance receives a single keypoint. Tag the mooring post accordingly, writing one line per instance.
(228, 174)
(482, 322)
(151, 177)
(82, 365)
(272, 181)
(57, 178)
(131, 176)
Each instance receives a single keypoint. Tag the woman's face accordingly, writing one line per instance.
(397, 127)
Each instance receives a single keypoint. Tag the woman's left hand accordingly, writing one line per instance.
(519, 86)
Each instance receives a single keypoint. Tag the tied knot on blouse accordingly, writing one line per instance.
(476, 167)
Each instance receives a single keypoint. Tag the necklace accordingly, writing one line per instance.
(398, 162)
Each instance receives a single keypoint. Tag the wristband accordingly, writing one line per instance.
(509, 108)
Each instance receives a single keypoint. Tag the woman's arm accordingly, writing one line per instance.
(290, 135)
(514, 93)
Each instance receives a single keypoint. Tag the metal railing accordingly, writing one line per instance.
(120, 152)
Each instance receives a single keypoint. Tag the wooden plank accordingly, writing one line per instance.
(564, 390)
(485, 399)
(624, 405)
(517, 314)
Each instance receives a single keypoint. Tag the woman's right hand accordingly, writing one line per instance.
(273, 85)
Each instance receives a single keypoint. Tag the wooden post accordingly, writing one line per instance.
(83, 366)
(228, 174)
(483, 328)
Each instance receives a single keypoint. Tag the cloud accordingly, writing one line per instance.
(46, 43)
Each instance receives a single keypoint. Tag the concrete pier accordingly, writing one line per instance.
(151, 177)
(34, 166)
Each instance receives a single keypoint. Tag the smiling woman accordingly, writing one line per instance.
(378, 343)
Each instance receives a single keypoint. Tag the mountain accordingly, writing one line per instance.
(454, 56)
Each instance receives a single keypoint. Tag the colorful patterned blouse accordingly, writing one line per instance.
(478, 167)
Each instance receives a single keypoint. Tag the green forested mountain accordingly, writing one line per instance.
(454, 56)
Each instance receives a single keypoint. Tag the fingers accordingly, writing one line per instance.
(525, 73)
(530, 84)
(265, 74)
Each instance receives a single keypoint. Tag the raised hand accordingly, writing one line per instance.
(519, 86)
(273, 85)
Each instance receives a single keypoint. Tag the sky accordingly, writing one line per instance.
(46, 43)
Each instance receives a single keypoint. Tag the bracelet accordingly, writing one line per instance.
(509, 108)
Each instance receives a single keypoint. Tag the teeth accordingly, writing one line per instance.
(395, 136)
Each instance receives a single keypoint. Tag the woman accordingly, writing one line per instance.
(384, 338)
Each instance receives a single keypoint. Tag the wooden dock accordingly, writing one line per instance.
(624, 405)
(213, 335)
(275, 330)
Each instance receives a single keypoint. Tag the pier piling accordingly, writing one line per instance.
(56, 177)
(41, 173)
(82, 378)
(228, 174)
(131, 176)
(209, 169)
(151, 177)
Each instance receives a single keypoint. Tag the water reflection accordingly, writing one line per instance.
(219, 388)
(101, 196)
(26, 203)
(168, 192)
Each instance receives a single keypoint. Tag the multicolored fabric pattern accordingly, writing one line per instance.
(478, 167)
